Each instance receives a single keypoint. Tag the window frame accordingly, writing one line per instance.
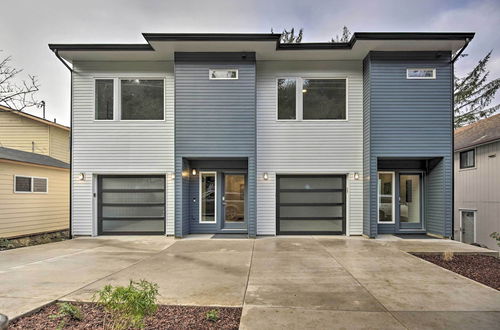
(421, 78)
(117, 109)
(216, 206)
(473, 159)
(31, 186)
(299, 100)
(210, 74)
(114, 98)
(393, 174)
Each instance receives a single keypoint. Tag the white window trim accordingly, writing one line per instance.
(421, 78)
(200, 182)
(32, 187)
(393, 198)
(210, 74)
(299, 100)
(461, 223)
(117, 95)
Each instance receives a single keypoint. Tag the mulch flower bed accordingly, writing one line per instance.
(483, 269)
(166, 317)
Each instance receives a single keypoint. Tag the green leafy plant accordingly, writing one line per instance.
(212, 315)
(67, 311)
(129, 305)
(496, 236)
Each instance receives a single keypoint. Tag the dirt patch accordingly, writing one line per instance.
(166, 317)
(14, 243)
(483, 269)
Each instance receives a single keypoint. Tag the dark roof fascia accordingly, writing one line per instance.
(467, 36)
(211, 36)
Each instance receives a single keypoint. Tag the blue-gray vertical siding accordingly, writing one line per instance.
(215, 119)
(410, 118)
(435, 200)
(368, 230)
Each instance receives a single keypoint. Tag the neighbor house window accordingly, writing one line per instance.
(287, 92)
(386, 197)
(312, 99)
(468, 159)
(28, 184)
(104, 99)
(142, 99)
(420, 73)
(223, 74)
(324, 98)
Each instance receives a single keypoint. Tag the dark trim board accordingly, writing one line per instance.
(278, 204)
(100, 204)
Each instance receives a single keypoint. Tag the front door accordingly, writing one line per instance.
(233, 201)
(468, 226)
(410, 201)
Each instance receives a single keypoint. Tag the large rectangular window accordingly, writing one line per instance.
(142, 99)
(104, 99)
(208, 193)
(324, 99)
(287, 92)
(468, 159)
(386, 197)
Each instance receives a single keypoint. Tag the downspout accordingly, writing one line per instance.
(70, 145)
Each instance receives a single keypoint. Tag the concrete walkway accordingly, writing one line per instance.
(285, 282)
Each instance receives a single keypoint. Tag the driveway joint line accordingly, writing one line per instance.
(369, 292)
(248, 275)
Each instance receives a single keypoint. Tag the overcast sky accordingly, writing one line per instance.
(28, 26)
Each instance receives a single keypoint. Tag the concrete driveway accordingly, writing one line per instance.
(285, 282)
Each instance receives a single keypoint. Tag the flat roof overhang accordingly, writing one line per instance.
(162, 46)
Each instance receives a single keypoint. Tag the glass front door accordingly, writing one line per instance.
(410, 201)
(233, 201)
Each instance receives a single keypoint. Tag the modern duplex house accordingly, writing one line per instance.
(238, 133)
(477, 182)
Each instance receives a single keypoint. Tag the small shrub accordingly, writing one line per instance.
(5, 243)
(496, 236)
(448, 256)
(67, 311)
(212, 315)
(128, 305)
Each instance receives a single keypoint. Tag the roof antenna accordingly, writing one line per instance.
(42, 105)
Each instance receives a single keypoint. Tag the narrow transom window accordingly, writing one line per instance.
(324, 99)
(104, 99)
(420, 73)
(142, 99)
(287, 99)
(223, 74)
(468, 159)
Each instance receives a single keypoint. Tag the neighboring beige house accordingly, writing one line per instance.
(34, 174)
(477, 182)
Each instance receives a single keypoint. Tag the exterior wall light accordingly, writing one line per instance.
(356, 176)
(172, 176)
(194, 172)
(266, 176)
(81, 176)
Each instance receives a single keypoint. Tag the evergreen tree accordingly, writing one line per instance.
(473, 95)
(289, 37)
(346, 36)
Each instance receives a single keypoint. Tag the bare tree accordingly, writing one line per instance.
(289, 37)
(15, 93)
(346, 36)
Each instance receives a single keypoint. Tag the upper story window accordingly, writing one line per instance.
(420, 73)
(468, 159)
(312, 99)
(28, 184)
(104, 102)
(222, 74)
(129, 99)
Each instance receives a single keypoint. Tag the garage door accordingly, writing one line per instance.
(131, 205)
(311, 204)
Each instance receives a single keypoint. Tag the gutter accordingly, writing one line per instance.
(56, 52)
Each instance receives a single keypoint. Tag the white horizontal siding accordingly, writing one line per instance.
(306, 147)
(118, 147)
